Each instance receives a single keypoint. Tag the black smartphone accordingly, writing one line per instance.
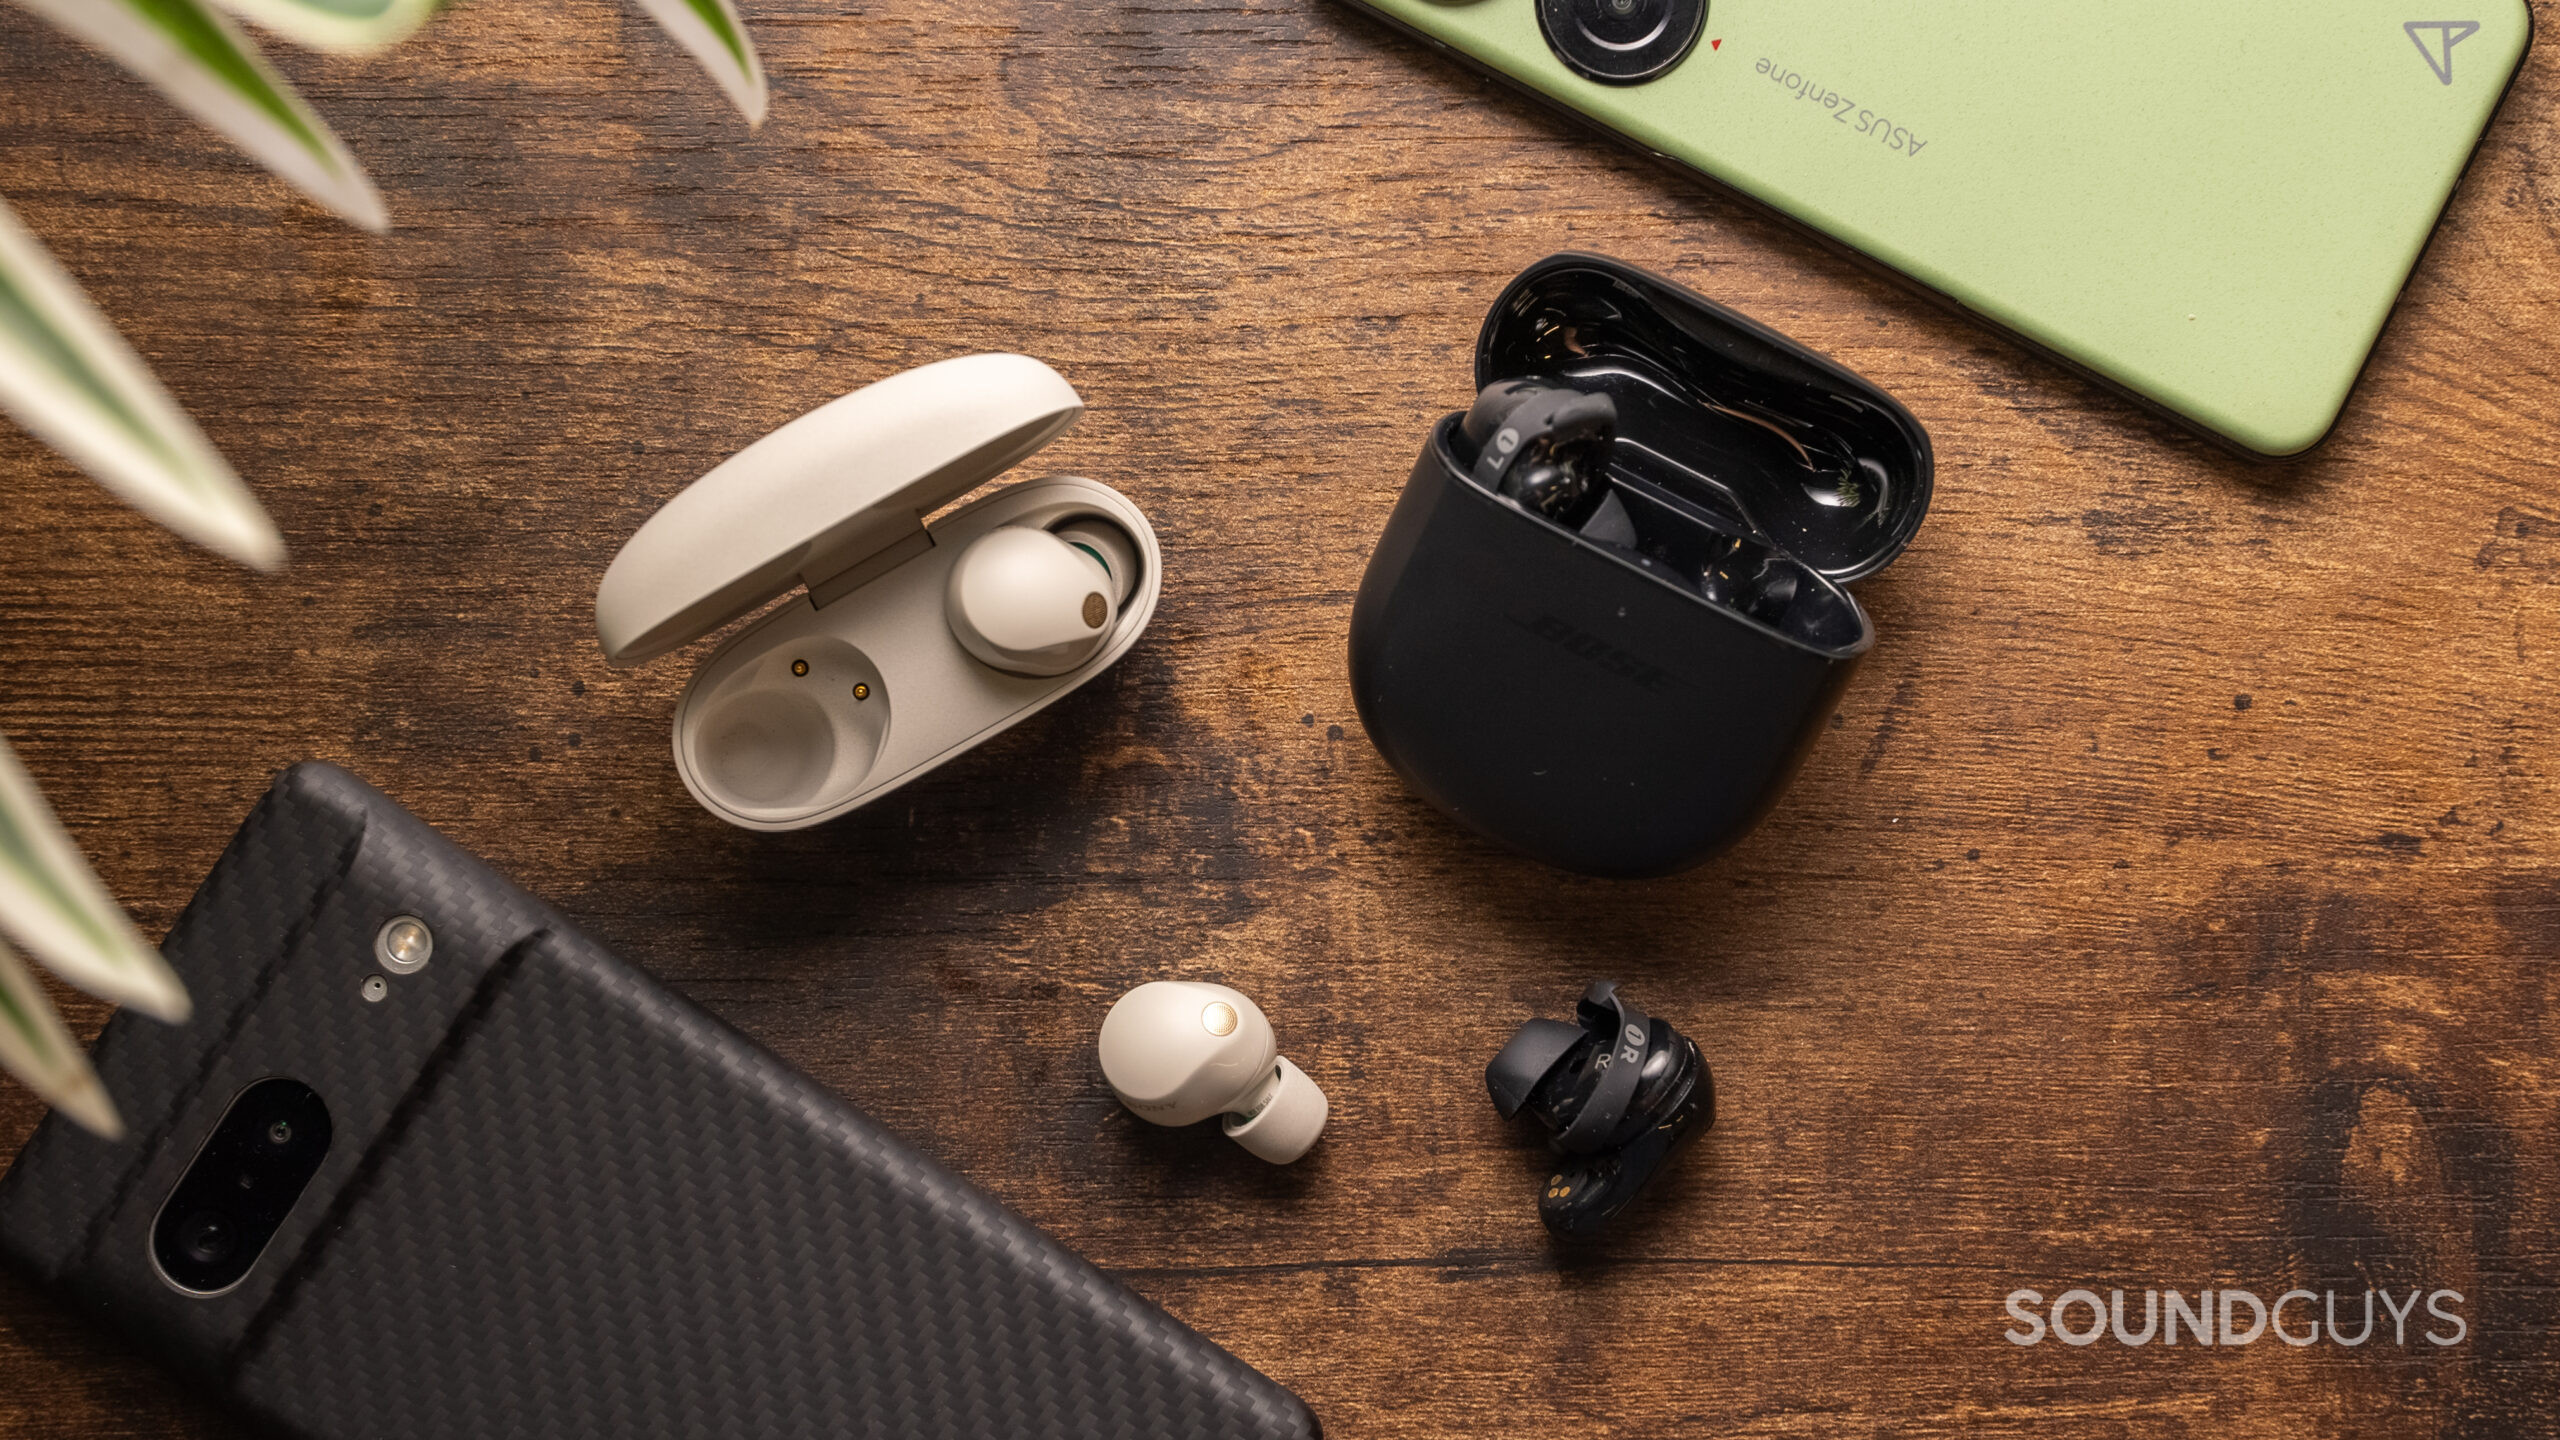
(430, 1163)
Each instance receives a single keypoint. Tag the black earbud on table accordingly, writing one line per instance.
(1617, 1092)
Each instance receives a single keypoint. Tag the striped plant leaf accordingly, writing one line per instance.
(39, 1049)
(350, 26)
(73, 382)
(710, 31)
(202, 62)
(53, 905)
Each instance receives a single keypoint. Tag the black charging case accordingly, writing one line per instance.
(1585, 701)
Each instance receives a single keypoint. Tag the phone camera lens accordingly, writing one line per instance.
(1623, 22)
(207, 1237)
(1621, 42)
(222, 1213)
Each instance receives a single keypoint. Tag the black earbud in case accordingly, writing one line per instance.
(1609, 616)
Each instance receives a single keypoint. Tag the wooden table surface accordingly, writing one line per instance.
(2170, 906)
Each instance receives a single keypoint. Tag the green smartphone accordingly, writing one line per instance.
(2208, 206)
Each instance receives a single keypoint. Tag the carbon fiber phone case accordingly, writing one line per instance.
(561, 1201)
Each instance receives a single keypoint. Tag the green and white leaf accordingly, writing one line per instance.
(39, 1049)
(202, 62)
(353, 26)
(74, 384)
(54, 906)
(710, 31)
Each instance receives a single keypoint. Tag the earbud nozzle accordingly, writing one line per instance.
(1289, 1123)
(1534, 1050)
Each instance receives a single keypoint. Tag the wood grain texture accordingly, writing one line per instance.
(2172, 904)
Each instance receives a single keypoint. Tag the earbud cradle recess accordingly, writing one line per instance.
(912, 643)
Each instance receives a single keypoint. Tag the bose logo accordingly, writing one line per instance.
(1577, 641)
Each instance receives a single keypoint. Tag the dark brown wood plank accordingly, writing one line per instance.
(2170, 907)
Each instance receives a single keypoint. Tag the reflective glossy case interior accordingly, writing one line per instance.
(1631, 708)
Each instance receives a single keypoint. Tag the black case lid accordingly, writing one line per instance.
(1816, 460)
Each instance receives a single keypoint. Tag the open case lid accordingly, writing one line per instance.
(829, 500)
(1816, 460)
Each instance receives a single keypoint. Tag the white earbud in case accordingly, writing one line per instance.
(1040, 602)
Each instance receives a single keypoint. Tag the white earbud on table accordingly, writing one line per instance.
(1040, 602)
(1178, 1051)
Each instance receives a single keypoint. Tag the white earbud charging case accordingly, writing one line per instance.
(857, 686)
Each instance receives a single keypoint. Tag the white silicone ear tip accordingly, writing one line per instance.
(1287, 1127)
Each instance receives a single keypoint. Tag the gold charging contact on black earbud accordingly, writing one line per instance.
(799, 667)
(861, 692)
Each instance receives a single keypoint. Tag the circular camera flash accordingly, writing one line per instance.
(374, 989)
(1218, 1018)
(404, 945)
